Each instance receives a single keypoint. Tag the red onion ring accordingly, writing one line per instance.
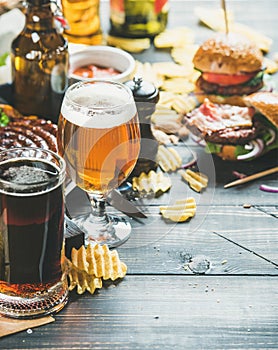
(257, 148)
(273, 136)
(271, 189)
(192, 162)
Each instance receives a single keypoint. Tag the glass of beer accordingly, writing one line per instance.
(99, 138)
(32, 283)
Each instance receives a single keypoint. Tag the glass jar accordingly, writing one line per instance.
(138, 18)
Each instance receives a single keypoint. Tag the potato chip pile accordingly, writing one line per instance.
(151, 182)
(180, 211)
(196, 180)
(89, 266)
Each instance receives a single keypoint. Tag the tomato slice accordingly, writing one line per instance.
(227, 79)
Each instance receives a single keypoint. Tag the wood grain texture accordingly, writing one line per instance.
(210, 283)
(181, 312)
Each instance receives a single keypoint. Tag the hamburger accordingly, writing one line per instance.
(236, 132)
(231, 67)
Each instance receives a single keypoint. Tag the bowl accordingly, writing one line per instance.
(106, 57)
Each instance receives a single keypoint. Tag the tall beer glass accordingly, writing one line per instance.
(32, 283)
(99, 138)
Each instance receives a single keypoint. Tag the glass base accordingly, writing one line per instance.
(36, 304)
(114, 231)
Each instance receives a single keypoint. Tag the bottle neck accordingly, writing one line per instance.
(39, 15)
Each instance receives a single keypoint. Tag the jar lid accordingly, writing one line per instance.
(143, 91)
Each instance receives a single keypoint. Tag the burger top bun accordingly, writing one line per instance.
(266, 103)
(228, 54)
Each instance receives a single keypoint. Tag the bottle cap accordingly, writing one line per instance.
(143, 91)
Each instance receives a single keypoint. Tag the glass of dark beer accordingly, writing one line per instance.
(32, 283)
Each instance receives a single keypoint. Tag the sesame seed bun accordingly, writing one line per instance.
(228, 54)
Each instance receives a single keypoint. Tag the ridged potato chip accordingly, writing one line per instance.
(184, 104)
(196, 180)
(151, 182)
(175, 37)
(180, 211)
(130, 45)
(168, 158)
(178, 85)
(184, 55)
(88, 266)
(214, 19)
(147, 72)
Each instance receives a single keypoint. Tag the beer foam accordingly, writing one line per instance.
(100, 98)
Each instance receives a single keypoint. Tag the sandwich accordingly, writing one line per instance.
(237, 132)
(231, 67)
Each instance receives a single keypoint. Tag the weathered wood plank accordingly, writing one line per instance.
(181, 312)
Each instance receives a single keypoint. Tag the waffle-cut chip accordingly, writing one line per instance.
(214, 19)
(271, 66)
(184, 55)
(196, 180)
(170, 69)
(168, 158)
(151, 182)
(180, 211)
(88, 266)
(131, 45)
(147, 72)
(184, 104)
(178, 85)
(175, 37)
(166, 119)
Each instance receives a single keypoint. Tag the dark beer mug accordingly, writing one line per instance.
(32, 283)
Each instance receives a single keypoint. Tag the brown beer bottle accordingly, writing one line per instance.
(39, 58)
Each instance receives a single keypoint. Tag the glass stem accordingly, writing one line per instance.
(99, 208)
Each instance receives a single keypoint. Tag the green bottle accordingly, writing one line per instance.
(39, 57)
(138, 18)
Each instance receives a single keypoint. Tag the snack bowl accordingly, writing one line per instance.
(104, 59)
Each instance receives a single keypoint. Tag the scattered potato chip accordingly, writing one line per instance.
(170, 69)
(178, 85)
(175, 37)
(271, 66)
(164, 138)
(151, 182)
(184, 103)
(184, 55)
(168, 158)
(166, 99)
(180, 211)
(166, 120)
(213, 18)
(147, 72)
(130, 45)
(196, 180)
(88, 266)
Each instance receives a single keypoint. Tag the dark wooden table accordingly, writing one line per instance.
(163, 303)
